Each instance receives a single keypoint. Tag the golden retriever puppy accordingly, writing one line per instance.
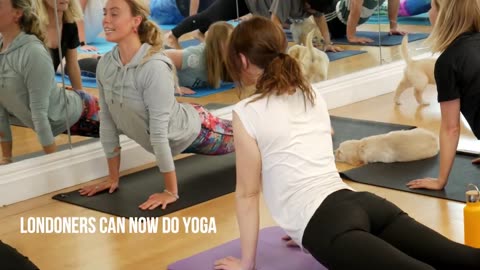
(314, 62)
(301, 28)
(395, 146)
(417, 74)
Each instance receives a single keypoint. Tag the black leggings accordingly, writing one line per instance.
(220, 10)
(11, 259)
(337, 28)
(359, 230)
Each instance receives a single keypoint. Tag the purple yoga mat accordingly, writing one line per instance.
(272, 254)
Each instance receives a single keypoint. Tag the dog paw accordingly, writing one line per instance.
(397, 102)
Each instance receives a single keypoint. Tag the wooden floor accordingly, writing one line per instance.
(156, 251)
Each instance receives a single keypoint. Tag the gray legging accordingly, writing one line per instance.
(359, 230)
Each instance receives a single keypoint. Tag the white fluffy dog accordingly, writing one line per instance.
(418, 74)
(300, 30)
(314, 62)
(395, 146)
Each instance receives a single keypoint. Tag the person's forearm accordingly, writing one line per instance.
(171, 182)
(393, 6)
(74, 75)
(248, 221)
(323, 26)
(52, 148)
(81, 24)
(114, 166)
(7, 150)
(354, 17)
(448, 147)
(81, 31)
(194, 5)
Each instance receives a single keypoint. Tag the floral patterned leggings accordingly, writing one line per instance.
(216, 135)
(88, 125)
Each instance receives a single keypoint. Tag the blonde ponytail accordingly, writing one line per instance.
(149, 32)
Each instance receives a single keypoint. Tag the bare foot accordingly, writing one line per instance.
(171, 40)
(199, 35)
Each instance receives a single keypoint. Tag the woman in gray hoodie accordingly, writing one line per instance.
(28, 91)
(137, 87)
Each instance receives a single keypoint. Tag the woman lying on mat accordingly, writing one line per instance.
(136, 83)
(456, 75)
(203, 65)
(345, 16)
(29, 92)
(284, 149)
(69, 13)
(224, 10)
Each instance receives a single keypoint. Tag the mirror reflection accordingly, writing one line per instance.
(39, 44)
(352, 34)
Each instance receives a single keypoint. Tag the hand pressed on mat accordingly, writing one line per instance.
(361, 40)
(158, 199)
(426, 183)
(230, 263)
(91, 190)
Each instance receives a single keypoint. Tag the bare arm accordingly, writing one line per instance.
(352, 22)
(81, 24)
(449, 136)
(393, 6)
(176, 56)
(248, 164)
(194, 5)
(321, 23)
(73, 69)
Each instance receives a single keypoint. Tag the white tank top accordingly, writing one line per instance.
(298, 165)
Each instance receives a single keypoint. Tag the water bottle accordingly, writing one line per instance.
(471, 215)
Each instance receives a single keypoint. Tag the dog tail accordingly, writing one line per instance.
(404, 50)
(309, 41)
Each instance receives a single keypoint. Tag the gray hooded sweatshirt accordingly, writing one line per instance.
(137, 100)
(29, 93)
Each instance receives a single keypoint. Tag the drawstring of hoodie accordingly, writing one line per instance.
(123, 84)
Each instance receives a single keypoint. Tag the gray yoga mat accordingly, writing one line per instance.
(396, 175)
(200, 178)
(353, 129)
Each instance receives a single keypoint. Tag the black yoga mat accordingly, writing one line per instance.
(200, 178)
(397, 175)
(353, 129)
